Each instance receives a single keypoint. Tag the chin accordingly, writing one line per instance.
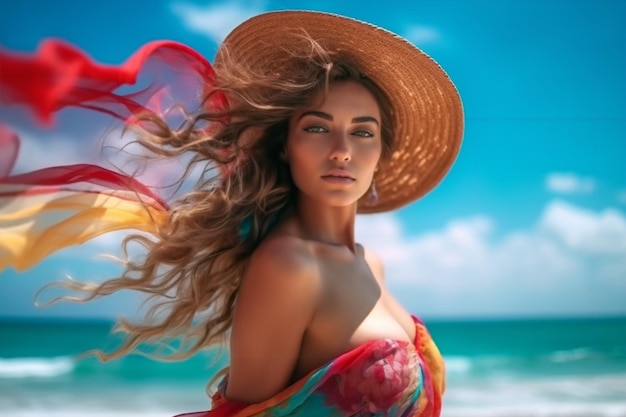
(332, 198)
(340, 202)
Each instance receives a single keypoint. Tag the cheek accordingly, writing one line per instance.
(301, 166)
(300, 162)
(371, 155)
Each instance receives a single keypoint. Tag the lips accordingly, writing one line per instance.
(339, 174)
(339, 177)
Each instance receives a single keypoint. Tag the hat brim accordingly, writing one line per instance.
(427, 113)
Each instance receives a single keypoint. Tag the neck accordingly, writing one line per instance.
(332, 225)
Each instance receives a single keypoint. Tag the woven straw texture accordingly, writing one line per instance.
(427, 110)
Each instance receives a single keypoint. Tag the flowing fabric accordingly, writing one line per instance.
(382, 377)
(52, 208)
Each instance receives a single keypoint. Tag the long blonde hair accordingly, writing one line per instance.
(194, 263)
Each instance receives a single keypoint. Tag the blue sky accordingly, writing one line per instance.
(530, 221)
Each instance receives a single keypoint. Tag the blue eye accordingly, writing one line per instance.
(364, 133)
(315, 129)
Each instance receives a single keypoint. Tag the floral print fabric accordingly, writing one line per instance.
(379, 378)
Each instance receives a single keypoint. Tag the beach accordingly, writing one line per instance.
(495, 368)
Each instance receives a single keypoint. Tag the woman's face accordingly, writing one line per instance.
(334, 144)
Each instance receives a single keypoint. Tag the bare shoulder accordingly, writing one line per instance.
(281, 268)
(283, 258)
(274, 306)
(290, 250)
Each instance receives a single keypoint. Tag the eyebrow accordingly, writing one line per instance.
(323, 115)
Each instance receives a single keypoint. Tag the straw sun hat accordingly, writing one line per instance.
(427, 114)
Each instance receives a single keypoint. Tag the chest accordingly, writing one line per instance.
(349, 289)
(351, 311)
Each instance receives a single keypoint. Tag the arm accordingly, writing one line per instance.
(275, 304)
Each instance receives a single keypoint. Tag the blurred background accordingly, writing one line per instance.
(516, 261)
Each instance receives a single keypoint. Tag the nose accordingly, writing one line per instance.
(341, 148)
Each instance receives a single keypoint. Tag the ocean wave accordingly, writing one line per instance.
(458, 364)
(466, 365)
(35, 367)
(539, 410)
(572, 355)
(574, 361)
(87, 412)
(571, 396)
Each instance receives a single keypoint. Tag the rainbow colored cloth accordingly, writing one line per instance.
(382, 377)
(54, 207)
(45, 210)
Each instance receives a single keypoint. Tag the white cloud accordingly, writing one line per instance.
(586, 231)
(420, 35)
(215, 21)
(44, 150)
(569, 183)
(572, 261)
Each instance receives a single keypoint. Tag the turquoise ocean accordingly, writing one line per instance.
(551, 367)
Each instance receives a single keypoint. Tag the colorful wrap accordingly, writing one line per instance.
(49, 209)
(381, 377)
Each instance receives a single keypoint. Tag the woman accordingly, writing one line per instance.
(311, 118)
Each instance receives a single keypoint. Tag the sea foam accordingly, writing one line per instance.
(35, 367)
